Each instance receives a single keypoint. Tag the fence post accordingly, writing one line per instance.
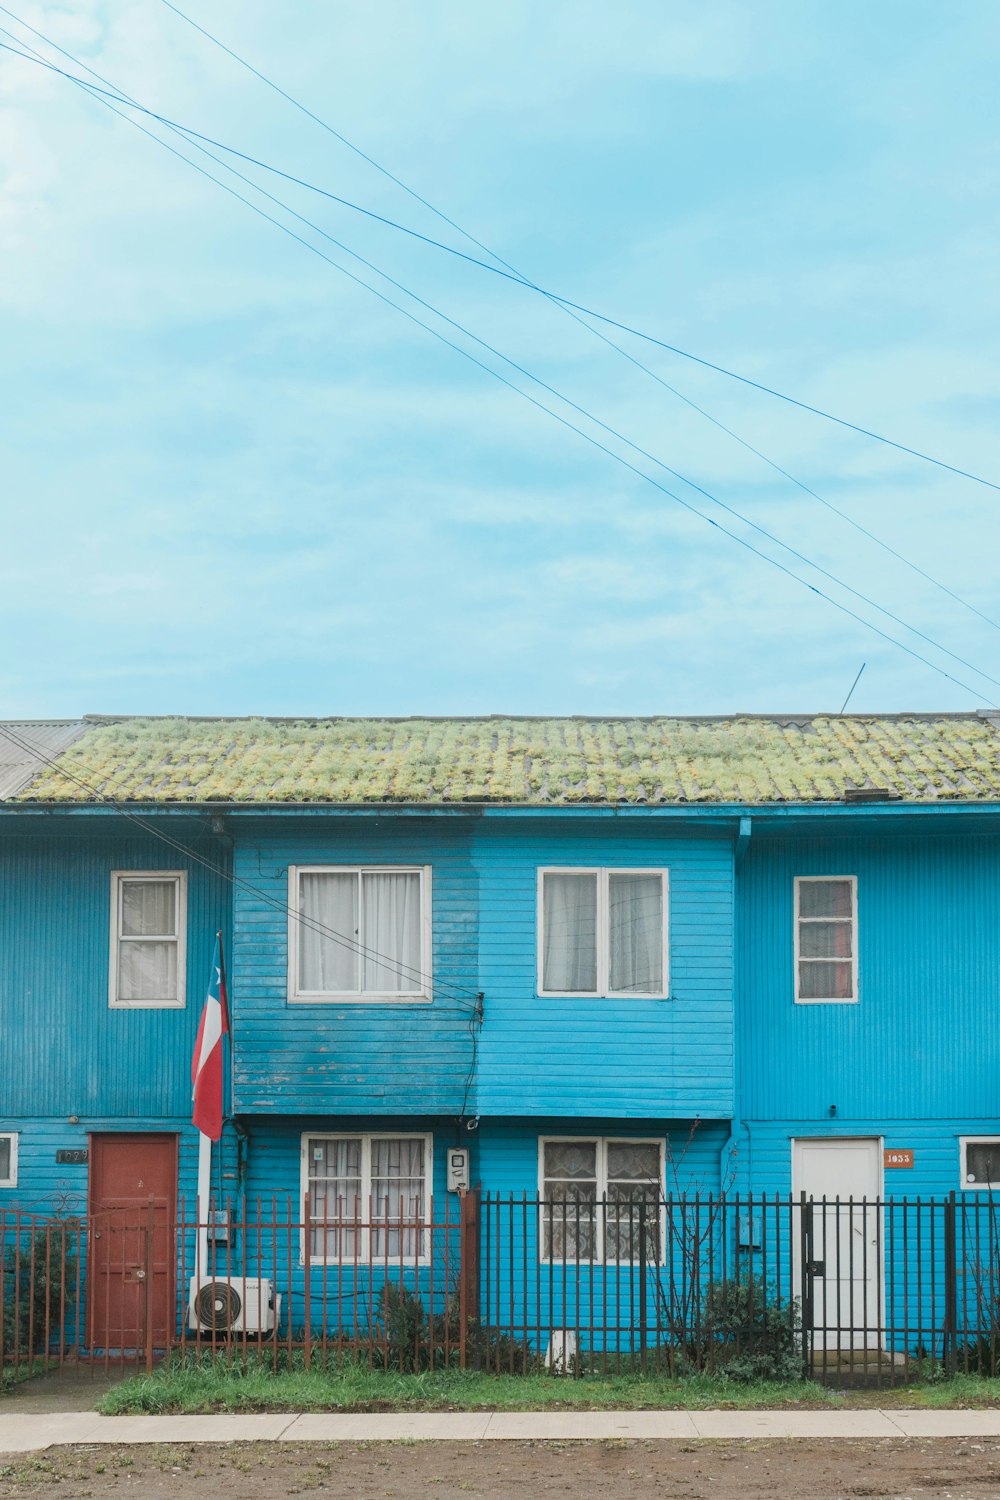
(149, 1261)
(468, 1268)
(950, 1341)
(806, 1281)
(642, 1285)
(306, 1280)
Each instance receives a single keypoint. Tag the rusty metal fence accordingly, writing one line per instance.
(867, 1291)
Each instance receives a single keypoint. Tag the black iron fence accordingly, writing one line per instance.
(847, 1290)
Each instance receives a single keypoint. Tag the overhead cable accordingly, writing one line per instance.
(619, 458)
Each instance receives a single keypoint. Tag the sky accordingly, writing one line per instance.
(233, 480)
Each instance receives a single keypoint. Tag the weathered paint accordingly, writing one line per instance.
(920, 1043)
(46, 1186)
(66, 1052)
(616, 1057)
(378, 1058)
(369, 1058)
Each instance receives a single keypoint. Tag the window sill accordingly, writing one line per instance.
(612, 1265)
(366, 1265)
(360, 1000)
(604, 995)
(830, 1000)
(147, 1005)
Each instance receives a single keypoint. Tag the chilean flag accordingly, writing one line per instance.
(206, 1065)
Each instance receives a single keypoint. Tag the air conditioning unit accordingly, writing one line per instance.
(235, 1304)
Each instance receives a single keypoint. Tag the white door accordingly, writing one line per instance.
(847, 1238)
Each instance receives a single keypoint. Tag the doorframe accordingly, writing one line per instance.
(118, 1135)
(880, 1333)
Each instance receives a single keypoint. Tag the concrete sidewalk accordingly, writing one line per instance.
(24, 1432)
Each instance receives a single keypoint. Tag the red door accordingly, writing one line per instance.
(133, 1202)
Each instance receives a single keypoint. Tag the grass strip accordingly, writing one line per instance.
(354, 1388)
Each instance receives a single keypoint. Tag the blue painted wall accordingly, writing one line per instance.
(48, 1188)
(372, 1059)
(648, 1059)
(545, 1057)
(923, 1041)
(65, 1051)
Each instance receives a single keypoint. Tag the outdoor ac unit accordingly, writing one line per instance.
(237, 1304)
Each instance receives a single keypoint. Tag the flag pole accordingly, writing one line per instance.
(226, 1075)
(204, 1189)
(208, 1093)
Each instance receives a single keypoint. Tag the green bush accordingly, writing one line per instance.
(749, 1333)
(980, 1356)
(411, 1340)
(39, 1283)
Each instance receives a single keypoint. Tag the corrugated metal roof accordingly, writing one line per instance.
(24, 750)
(748, 759)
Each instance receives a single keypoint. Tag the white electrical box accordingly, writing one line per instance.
(458, 1170)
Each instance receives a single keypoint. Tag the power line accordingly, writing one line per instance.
(311, 923)
(100, 95)
(565, 301)
(514, 275)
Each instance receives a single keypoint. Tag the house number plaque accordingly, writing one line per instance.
(898, 1158)
(72, 1157)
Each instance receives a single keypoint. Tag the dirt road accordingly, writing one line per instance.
(914, 1469)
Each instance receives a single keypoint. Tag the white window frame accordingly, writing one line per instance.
(180, 879)
(602, 1142)
(976, 1140)
(364, 1259)
(603, 990)
(852, 881)
(296, 996)
(11, 1179)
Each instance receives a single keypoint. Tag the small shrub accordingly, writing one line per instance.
(403, 1318)
(980, 1356)
(411, 1340)
(39, 1282)
(749, 1333)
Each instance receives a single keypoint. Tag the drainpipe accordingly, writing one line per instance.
(737, 1125)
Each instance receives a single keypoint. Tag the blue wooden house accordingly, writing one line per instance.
(608, 959)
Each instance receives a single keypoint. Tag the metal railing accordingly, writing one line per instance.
(873, 1291)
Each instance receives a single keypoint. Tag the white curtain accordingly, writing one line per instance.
(633, 1177)
(327, 966)
(398, 1198)
(147, 955)
(149, 908)
(569, 933)
(636, 934)
(390, 933)
(377, 919)
(569, 1186)
(336, 1198)
(147, 971)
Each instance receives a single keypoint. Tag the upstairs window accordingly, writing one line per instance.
(602, 932)
(596, 1196)
(369, 1197)
(8, 1160)
(981, 1162)
(148, 929)
(359, 933)
(826, 939)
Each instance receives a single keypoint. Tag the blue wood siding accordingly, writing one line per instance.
(506, 1150)
(616, 1057)
(921, 1043)
(48, 1188)
(767, 1148)
(361, 1058)
(65, 1051)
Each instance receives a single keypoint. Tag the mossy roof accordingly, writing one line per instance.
(745, 760)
